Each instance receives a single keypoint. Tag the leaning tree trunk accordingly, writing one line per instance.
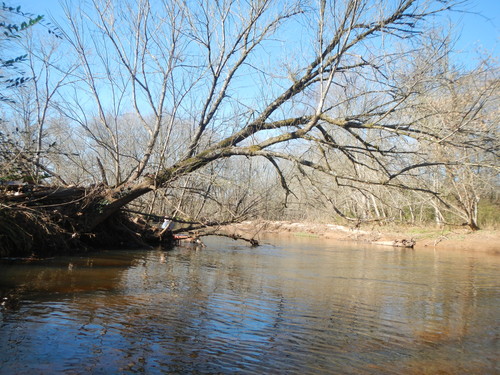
(58, 219)
(108, 202)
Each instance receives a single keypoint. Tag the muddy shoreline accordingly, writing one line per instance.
(441, 239)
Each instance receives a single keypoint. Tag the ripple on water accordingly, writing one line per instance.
(241, 310)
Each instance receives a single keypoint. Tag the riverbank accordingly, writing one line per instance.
(428, 237)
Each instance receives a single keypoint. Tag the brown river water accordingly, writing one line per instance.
(292, 306)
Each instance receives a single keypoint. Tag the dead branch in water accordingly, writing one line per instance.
(234, 236)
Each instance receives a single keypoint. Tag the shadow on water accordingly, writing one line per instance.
(296, 306)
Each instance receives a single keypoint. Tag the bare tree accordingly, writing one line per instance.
(298, 108)
(303, 84)
(468, 167)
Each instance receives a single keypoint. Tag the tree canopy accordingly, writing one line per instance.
(201, 109)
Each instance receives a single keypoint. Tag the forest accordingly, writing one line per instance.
(117, 114)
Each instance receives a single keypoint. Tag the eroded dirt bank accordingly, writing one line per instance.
(443, 239)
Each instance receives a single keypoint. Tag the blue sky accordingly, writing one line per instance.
(479, 30)
(477, 27)
(476, 31)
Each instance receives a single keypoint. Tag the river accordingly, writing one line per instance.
(290, 306)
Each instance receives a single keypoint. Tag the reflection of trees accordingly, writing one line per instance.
(65, 275)
(270, 308)
(374, 303)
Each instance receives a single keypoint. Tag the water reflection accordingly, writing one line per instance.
(302, 306)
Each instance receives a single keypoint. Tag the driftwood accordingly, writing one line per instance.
(44, 194)
(397, 243)
(251, 241)
(181, 239)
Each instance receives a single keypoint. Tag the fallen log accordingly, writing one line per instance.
(397, 243)
(188, 239)
(32, 194)
(252, 241)
(46, 220)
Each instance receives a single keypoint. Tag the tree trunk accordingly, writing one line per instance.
(109, 203)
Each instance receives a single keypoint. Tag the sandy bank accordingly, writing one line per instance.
(449, 239)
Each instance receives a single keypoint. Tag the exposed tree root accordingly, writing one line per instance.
(43, 221)
(27, 232)
(31, 232)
